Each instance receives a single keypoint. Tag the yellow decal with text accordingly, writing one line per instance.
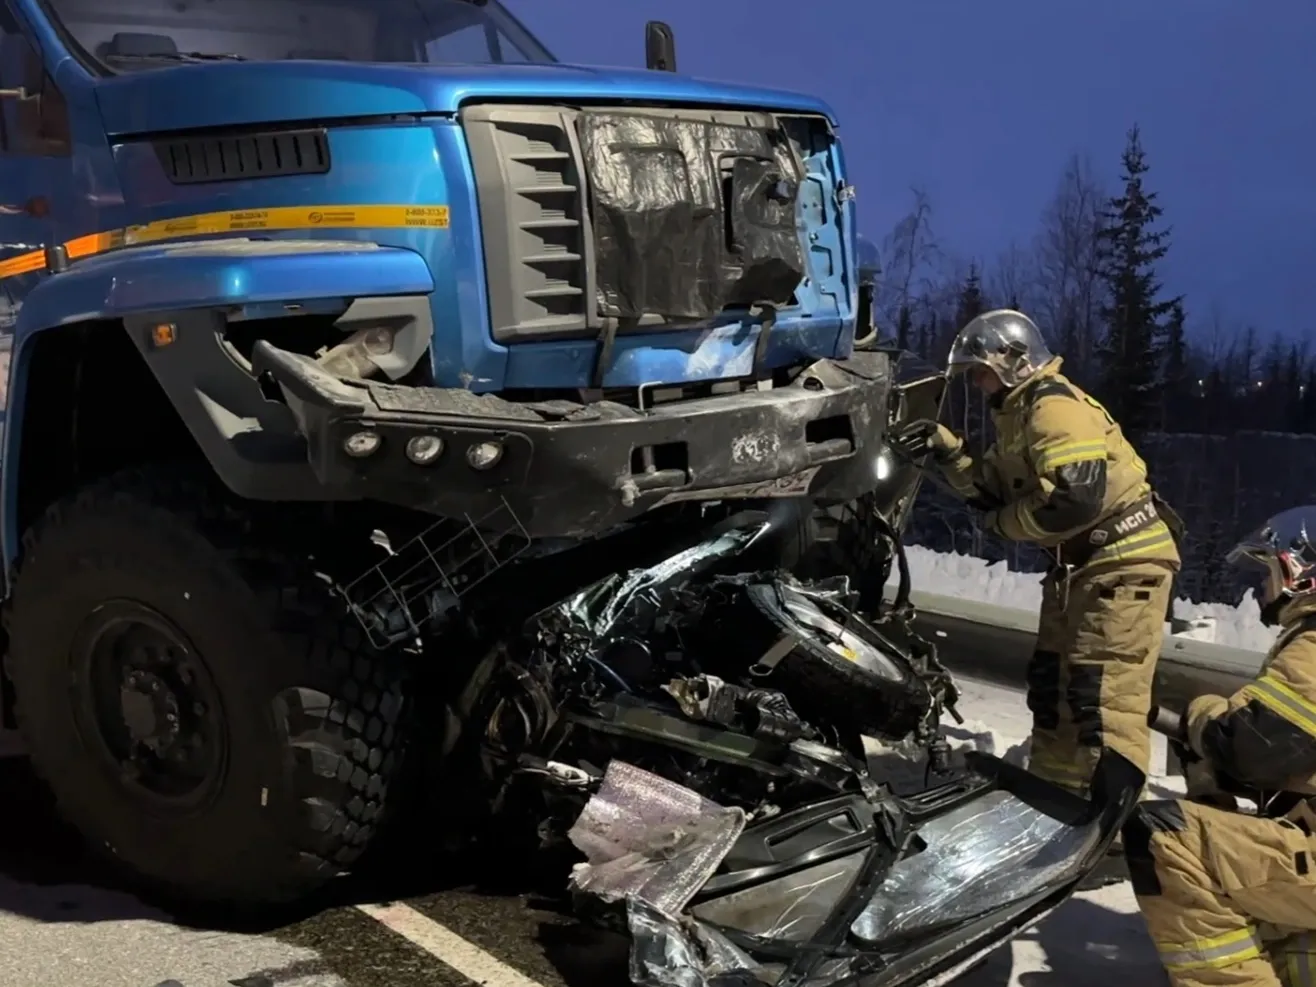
(240, 221)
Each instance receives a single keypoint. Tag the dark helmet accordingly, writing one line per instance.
(1007, 341)
(1285, 548)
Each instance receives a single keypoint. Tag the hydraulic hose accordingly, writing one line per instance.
(902, 561)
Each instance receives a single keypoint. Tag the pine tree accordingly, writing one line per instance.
(969, 306)
(1175, 384)
(1307, 395)
(971, 302)
(1134, 313)
(1291, 383)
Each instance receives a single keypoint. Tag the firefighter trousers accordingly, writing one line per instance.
(1099, 634)
(1293, 958)
(1229, 899)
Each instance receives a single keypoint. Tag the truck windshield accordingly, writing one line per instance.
(133, 35)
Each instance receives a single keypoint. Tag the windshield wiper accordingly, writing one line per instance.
(176, 56)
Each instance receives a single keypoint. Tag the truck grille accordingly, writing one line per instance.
(568, 255)
(532, 217)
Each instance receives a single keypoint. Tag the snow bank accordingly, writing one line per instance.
(994, 584)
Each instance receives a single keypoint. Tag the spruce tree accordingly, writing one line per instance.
(1295, 373)
(1134, 313)
(969, 306)
(1176, 390)
(971, 303)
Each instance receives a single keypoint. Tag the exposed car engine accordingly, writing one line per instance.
(753, 689)
(758, 781)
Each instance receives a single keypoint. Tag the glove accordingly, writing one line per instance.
(916, 439)
(1200, 779)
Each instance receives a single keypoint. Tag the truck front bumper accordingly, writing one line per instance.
(575, 470)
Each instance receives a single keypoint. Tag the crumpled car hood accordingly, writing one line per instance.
(923, 902)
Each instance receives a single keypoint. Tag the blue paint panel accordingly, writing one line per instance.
(227, 94)
(221, 273)
(651, 358)
(418, 163)
(196, 275)
(829, 289)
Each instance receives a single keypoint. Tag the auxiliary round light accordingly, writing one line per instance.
(484, 455)
(362, 444)
(424, 449)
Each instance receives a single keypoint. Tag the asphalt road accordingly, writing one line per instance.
(63, 923)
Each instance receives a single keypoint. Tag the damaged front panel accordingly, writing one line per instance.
(608, 218)
(691, 216)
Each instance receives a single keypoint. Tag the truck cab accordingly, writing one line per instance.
(583, 292)
(283, 271)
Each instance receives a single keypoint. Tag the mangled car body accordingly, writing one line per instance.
(758, 782)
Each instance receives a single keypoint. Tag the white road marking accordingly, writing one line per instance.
(443, 944)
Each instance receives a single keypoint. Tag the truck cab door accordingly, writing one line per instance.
(33, 131)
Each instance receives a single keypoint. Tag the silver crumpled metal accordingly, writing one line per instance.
(650, 839)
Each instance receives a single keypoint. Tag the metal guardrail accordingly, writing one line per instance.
(996, 642)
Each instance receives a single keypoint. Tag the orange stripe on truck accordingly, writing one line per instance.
(238, 221)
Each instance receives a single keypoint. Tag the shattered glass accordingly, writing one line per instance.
(792, 908)
(671, 952)
(654, 844)
(981, 856)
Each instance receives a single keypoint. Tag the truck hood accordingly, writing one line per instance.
(226, 94)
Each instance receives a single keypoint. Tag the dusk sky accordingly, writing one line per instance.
(982, 103)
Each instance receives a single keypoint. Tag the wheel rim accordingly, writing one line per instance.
(825, 631)
(144, 699)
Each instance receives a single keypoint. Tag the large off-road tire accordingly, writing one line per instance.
(149, 596)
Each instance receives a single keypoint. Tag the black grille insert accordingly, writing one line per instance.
(232, 158)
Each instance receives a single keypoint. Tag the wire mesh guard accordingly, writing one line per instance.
(431, 573)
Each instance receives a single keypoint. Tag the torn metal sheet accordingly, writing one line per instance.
(691, 216)
(650, 839)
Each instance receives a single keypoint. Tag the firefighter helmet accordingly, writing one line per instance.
(1285, 549)
(1007, 341)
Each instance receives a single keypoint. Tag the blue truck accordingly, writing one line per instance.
(327, 314)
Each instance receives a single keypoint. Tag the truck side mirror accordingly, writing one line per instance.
(659, 47)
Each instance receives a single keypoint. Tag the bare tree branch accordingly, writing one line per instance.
(1012, 280)
(910, 252)
(1069, 289)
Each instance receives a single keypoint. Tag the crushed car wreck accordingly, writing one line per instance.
(702, 732)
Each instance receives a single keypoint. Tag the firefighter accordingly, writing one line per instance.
(1061, 474)
(1230, 898)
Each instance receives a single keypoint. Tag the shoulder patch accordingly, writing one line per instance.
(1048, 387)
